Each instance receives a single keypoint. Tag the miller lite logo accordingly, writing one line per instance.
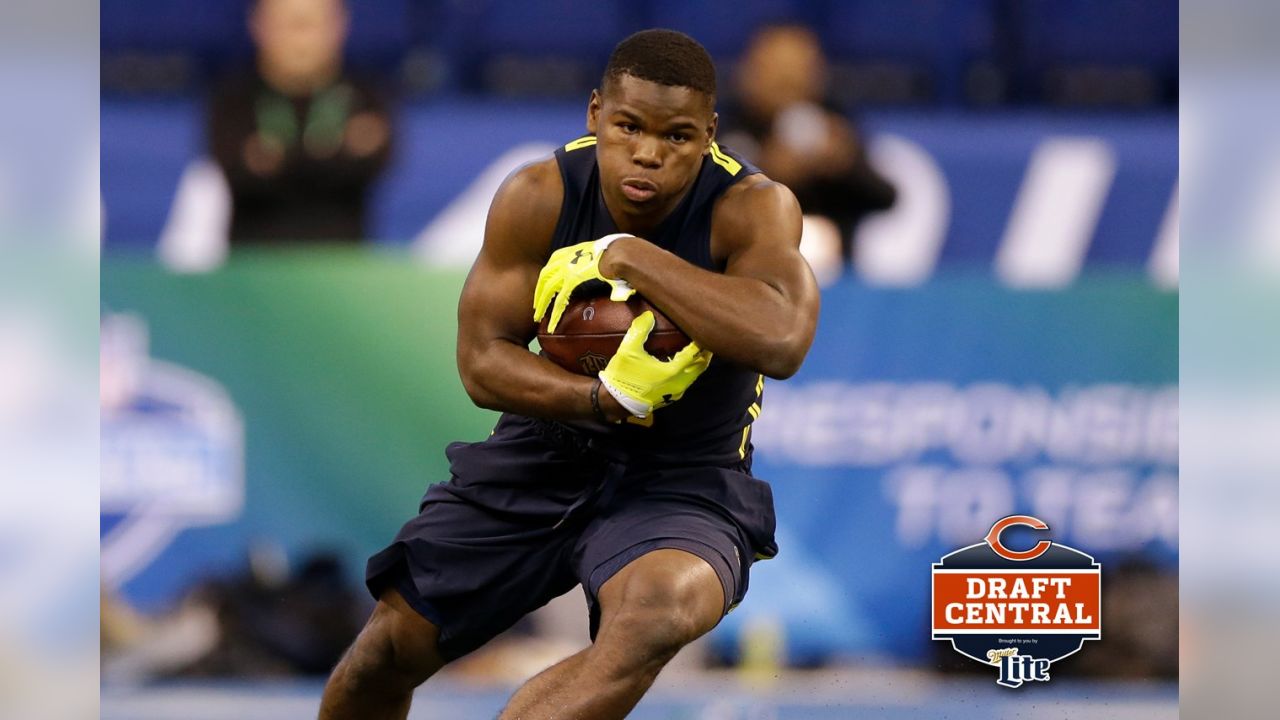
(1018, 610)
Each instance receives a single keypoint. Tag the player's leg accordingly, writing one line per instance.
(661, 568)
(394, 653)
(652, 607)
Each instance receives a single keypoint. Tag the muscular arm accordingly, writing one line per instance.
(495, 315)
(763, 310)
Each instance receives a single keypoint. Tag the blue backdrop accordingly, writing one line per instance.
(444, 146)
(921, 417)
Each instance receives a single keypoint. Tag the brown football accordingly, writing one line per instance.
(591, 329)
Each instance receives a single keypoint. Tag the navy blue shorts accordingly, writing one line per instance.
(537, 509)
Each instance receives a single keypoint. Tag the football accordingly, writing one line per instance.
(591, 329)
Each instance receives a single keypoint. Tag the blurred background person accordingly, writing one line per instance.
(781, 118)
(299, 141)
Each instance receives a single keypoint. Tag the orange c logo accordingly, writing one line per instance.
(993, 538)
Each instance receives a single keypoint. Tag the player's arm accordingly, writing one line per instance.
(494, 323)
(763, 310)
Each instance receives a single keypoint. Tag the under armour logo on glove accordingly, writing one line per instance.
(566, 269)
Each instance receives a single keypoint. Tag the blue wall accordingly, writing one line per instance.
(444, 145)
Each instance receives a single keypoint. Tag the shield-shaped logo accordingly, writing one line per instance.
(592, 362)
(1018, 610)
(172, 453)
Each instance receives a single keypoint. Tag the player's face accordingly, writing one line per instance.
(650, 143)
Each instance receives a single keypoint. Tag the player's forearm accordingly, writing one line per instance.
(744, 320)
(500, 375)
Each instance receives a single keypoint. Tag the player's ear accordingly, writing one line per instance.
(711, 131)
(593, 111)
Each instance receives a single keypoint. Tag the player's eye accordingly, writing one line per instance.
(628, 128)
(678, 138)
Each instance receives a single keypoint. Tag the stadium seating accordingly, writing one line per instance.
(381, 33)
(887, 51)
(554, 48)
(182, 45)
(159, 45)
(724, 28)
(1097, 52)
(953, 52)
(199, 27)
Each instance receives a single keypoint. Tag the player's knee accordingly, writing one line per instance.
(660, 615)
(393, 652)
(655, 633)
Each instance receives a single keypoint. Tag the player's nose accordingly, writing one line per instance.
(646, 154)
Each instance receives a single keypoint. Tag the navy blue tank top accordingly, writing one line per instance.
(711, 424)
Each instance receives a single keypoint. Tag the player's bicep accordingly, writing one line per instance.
(497, 298)
(495, 302)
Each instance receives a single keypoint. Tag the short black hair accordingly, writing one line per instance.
(666, 57)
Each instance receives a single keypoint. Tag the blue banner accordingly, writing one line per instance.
(922, 417)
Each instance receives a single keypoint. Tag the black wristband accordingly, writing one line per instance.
(595, 402)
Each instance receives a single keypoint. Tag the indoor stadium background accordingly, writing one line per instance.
(1005, 341)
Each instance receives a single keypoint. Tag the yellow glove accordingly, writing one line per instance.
(642, 382)
(568, 268)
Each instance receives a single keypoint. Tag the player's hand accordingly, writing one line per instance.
(642, 382)
(568, 268)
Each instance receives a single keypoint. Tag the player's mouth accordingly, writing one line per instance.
(639, 189)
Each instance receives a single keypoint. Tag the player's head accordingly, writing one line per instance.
(666, 57)
(654, 118)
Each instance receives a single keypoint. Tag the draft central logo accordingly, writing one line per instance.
(1019, 610)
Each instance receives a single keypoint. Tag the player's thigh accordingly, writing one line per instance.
(473, 572)
(721, 516)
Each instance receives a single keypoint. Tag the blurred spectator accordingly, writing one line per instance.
(782, 120)
(299, 142)
(273, 621)
(267, 620)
